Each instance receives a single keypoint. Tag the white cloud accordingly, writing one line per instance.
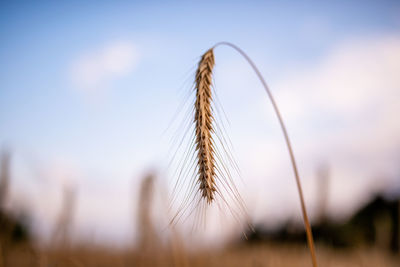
(356, 87)
(356, 75)
(349, 100)
(95, 68)
(341, 110)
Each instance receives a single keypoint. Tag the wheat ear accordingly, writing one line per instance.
(204, 129)
(203, 119)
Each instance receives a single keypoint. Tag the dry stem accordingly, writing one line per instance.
(203, 119)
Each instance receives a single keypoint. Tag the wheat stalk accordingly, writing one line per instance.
(204, 134)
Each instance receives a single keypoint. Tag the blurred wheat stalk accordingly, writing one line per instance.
(4, 186)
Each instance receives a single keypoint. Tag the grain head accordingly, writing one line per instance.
(203, 119)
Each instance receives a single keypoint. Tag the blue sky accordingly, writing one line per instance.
(87, 90)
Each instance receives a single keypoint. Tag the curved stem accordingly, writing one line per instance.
(289, 147)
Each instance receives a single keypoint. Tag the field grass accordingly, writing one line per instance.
(240, 256)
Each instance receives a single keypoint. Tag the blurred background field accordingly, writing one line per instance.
(95, 98)
(368, 238)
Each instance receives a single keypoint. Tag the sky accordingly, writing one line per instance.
(89, 94)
